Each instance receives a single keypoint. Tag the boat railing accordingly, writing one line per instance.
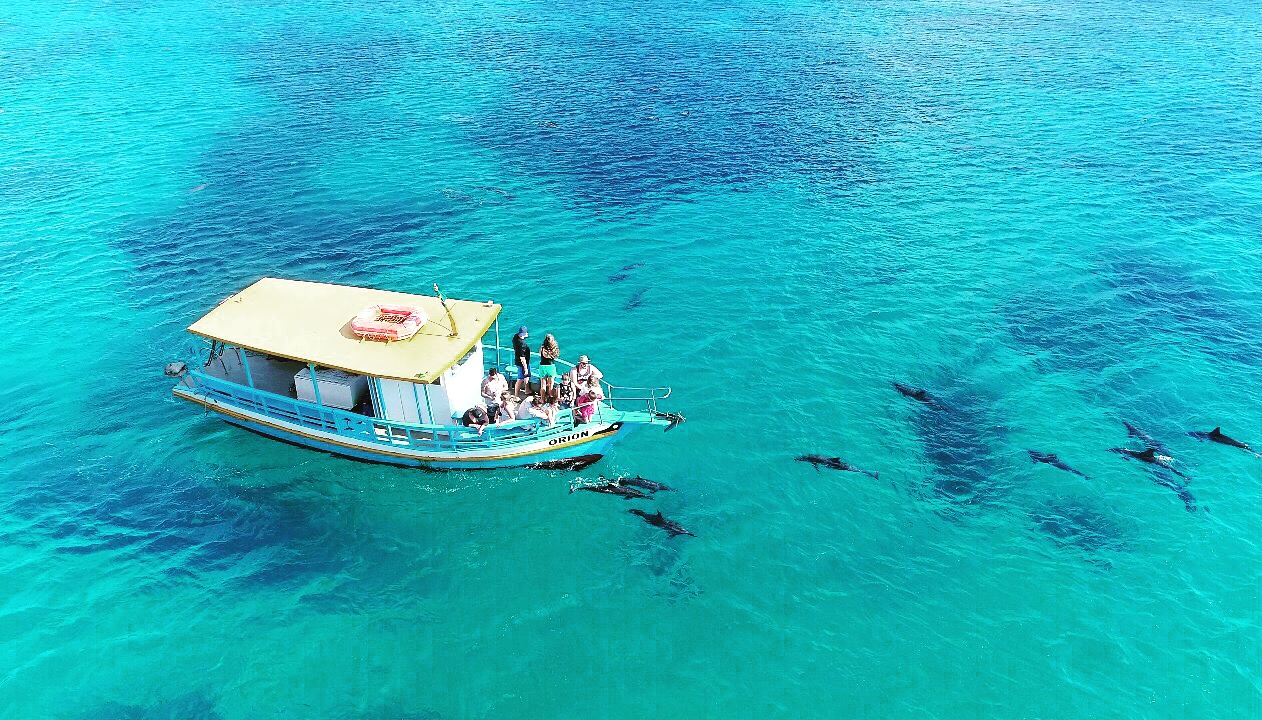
(377, 430)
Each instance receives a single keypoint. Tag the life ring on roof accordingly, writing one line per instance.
(388, 322)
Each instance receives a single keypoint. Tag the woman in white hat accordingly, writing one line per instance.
(584, 372)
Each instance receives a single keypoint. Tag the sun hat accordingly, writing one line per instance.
(583, 359)
(523, 331)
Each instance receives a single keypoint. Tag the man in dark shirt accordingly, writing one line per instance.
(521, 357)
(476, 417)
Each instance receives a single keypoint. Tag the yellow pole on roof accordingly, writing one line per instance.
(450, 318)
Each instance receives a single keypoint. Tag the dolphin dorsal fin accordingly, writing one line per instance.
(659, 515)
(1216, 431)
(1150, 453)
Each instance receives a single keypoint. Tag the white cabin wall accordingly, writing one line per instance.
(463, 382)
(437, 404)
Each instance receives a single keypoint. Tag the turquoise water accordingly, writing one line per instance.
(1046, 213)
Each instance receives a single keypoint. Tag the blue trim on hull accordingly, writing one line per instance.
(567, 458)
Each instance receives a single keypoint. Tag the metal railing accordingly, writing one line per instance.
(613, 393)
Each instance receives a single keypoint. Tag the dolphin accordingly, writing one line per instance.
(1149, 456)
(625, 272)
(1216, 435)
(644, 483)
(919, 394)
(834, 463)
(1146, 439)
(613, 488)
(673, 418)
(1180, 489)
(1054, 461)
(637, 299)
(670, 526)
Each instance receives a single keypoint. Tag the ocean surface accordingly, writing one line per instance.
(1048, 214)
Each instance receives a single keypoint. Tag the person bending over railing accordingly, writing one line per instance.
(476, 417)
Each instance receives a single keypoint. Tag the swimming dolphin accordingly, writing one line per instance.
(1054, 461)
(644, 483)
(1216, 435)
(624, 273)
(670, 526)
(1180, 489)
(1149, 456)
(1146, 439)
(834, 463)
(613, 488)
(637, 299)
(673, 418)
(919, 394)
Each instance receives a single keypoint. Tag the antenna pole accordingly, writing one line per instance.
(450, 317)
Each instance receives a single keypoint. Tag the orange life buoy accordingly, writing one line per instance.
(388, 322)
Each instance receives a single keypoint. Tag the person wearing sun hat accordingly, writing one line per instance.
(584, 372)
(521, 358)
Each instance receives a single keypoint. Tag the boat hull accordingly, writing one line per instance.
(587, 443)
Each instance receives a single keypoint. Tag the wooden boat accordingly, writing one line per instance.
(285, 359)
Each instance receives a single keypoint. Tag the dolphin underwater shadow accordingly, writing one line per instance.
(264, 536)
(198, 705)
(1072, 523)
(960, 440)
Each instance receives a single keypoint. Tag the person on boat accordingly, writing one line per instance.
(523, 409)
(545, 409)
(507, 411)
(584, 371)
(565, 391)
(521, 358)
(493, 387)
(587, 400)
(549, 351)
(476, 417)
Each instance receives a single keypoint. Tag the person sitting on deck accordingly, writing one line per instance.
(587, 401)
(493, 387)
(583, 372)
(476, 417)
(545, 409)
(565, 391)
(523, 409)
(507, 408)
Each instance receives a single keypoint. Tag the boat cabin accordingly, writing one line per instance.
(429, 378)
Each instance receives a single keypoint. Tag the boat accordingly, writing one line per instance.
(313, 364)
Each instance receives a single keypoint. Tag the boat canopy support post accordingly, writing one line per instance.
(499, 362)
(315, 383)
(244, 358)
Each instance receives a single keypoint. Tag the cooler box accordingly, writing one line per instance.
(337, 389)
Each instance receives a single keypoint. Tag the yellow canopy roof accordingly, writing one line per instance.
(311, 322)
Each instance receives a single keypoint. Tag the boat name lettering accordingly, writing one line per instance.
(567, 438)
